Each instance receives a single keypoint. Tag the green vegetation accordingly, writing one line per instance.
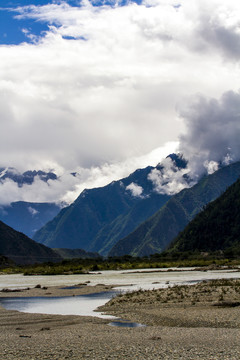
(222, 292)
(217, 228)
(157, 261)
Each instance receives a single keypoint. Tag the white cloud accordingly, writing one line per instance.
(169, 179)
(32, 211)
(109, 96)
(211, 166)
(67, 187)
(135, 189)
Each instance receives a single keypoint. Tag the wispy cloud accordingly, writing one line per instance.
(32, 211)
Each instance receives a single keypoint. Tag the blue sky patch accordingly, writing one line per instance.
(14, 31)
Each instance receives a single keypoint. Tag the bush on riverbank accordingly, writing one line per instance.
(159, 261)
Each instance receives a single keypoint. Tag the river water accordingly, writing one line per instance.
(85, 305)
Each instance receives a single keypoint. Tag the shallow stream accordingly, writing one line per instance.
(83, 305)
(86, 305)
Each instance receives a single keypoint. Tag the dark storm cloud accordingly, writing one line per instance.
(212, 131)
(219, 37)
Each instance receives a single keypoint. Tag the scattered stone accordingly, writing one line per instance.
(11, 290)
(156, 338)
(227, 303)
(81, 284)
(24, 336)
(45, 329)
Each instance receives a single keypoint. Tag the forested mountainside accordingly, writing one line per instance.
(216, 228)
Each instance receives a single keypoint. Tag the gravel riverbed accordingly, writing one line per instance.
(190, 323)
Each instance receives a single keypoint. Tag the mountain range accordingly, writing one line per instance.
(28, 177)
(127, 216)
(114, 221)
(157, 232)
(100, 217)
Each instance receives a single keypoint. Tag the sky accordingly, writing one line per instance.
(103, 88)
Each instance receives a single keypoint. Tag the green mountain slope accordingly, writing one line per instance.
(22, 250)
(215, 228)
(76, 254)
(155, 234)
(126, 223)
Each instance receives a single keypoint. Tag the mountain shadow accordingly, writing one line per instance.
(22, 250)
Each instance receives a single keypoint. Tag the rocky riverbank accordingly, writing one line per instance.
(190, 323)
(213, 304)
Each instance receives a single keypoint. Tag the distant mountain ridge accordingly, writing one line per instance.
(156, 233)
(22, 250)
(27, 177)
(100, 217)
(216, 228)
(28, 217)
(24, 216)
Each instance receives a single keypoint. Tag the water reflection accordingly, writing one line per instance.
(125, 323)
(83, 305)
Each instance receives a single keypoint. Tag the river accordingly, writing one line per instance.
(85, 305)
